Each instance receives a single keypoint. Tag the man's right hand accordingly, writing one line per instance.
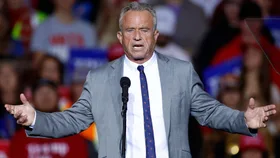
(24, 114)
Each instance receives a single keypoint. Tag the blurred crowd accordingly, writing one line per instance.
(234, 46)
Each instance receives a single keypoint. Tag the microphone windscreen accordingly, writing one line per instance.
(125, 82)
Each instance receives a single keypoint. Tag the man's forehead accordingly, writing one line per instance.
(142, 13)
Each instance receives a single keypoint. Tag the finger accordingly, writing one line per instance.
(22, 120)
(271, 112)
(23, 99)
(269, 107)
(18, 114)
(13, 110)
(8, 108)
(263, 125)
(252, 103)
(265, 119)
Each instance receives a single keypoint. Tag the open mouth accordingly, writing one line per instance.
(138, 46)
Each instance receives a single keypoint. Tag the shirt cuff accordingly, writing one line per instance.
(253, 131)
(33, 123)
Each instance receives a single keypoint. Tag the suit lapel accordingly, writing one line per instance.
(115, 75)
(165, 72)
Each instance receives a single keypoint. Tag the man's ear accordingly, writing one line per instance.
(120, 36)
(156, 34)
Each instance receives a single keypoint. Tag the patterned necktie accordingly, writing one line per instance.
(148, 126)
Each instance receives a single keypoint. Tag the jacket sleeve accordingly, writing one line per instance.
(211, 113)
(69, 122)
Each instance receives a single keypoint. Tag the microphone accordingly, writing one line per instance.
(125, 84)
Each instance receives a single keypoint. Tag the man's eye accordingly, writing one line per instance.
(145, 30)
(129, 30)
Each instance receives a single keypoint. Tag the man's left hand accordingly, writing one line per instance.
(256, 117)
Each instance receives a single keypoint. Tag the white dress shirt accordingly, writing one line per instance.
(135, 135)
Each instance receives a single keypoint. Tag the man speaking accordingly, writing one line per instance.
(164, 91)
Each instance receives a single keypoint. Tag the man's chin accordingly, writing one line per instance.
(139, 58)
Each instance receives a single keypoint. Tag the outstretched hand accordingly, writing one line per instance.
(256, 117)
(24, 113)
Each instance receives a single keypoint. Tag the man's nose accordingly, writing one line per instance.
(137, 36)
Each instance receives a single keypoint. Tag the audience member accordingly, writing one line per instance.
(218, 143)
(255, 77)
(61, 32)
(166, 23)
(191, 26)
(252, 32)
(9, 92)
(225, 26)
(253, 147)
(50, 68)
(108, 22)
(229, 93)
(16, 8)
(23, 28)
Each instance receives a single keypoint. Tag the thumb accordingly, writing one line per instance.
(23, 99)
(252, 103)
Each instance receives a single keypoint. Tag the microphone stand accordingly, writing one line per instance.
(123, 113)
(125, 84)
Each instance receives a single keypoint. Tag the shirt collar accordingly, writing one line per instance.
(132, 65)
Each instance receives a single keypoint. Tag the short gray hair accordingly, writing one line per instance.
(136, 6)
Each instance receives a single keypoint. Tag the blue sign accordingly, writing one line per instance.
(83, 60)
(212, 75)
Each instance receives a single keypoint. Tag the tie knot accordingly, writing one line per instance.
(140, 68)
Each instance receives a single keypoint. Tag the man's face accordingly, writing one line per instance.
(8, 78)
(231, 98)
(231, 11)
(50, 71)
(46, 99)
(138, 36)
